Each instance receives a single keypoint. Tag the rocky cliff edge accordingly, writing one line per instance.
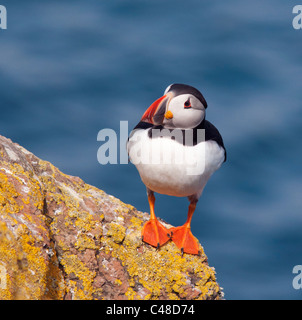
(61, 238)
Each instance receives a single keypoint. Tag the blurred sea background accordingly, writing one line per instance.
(71, 68)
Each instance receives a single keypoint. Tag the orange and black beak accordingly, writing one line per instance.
(155, 113)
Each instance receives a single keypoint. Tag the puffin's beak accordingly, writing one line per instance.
(155, 113)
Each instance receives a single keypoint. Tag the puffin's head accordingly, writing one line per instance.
(181, 106)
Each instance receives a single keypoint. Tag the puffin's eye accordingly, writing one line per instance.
(187, 104)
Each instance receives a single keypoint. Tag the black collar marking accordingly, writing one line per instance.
(211, 133)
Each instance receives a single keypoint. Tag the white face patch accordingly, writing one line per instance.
(184, 118)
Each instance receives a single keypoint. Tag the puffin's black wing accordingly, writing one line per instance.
(212, 133)
(143, 125)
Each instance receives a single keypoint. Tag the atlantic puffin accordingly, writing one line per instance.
(175, 150)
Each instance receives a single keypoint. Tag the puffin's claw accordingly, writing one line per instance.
(154, 233)
(184, 239)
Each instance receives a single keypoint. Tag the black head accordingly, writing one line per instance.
(181, 106)
(178, 89)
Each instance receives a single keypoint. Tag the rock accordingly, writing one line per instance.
(63, 239)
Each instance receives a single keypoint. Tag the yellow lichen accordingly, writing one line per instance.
(161, 270)
(130, 294)
(85, 242)
(117, 232)
(85, 221)
(73, 265)
(118, 282)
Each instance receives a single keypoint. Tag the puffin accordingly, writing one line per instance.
(175, 150)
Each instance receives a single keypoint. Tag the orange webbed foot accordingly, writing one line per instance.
(184, 239)
(154, 233)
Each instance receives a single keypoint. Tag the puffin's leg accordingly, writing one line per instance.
(153, 232)
(182, 236)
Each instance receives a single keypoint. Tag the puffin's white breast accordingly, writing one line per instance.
(169, 167)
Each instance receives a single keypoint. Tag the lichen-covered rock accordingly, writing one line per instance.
(63, 239)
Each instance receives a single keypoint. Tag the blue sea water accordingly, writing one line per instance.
(71, 68)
